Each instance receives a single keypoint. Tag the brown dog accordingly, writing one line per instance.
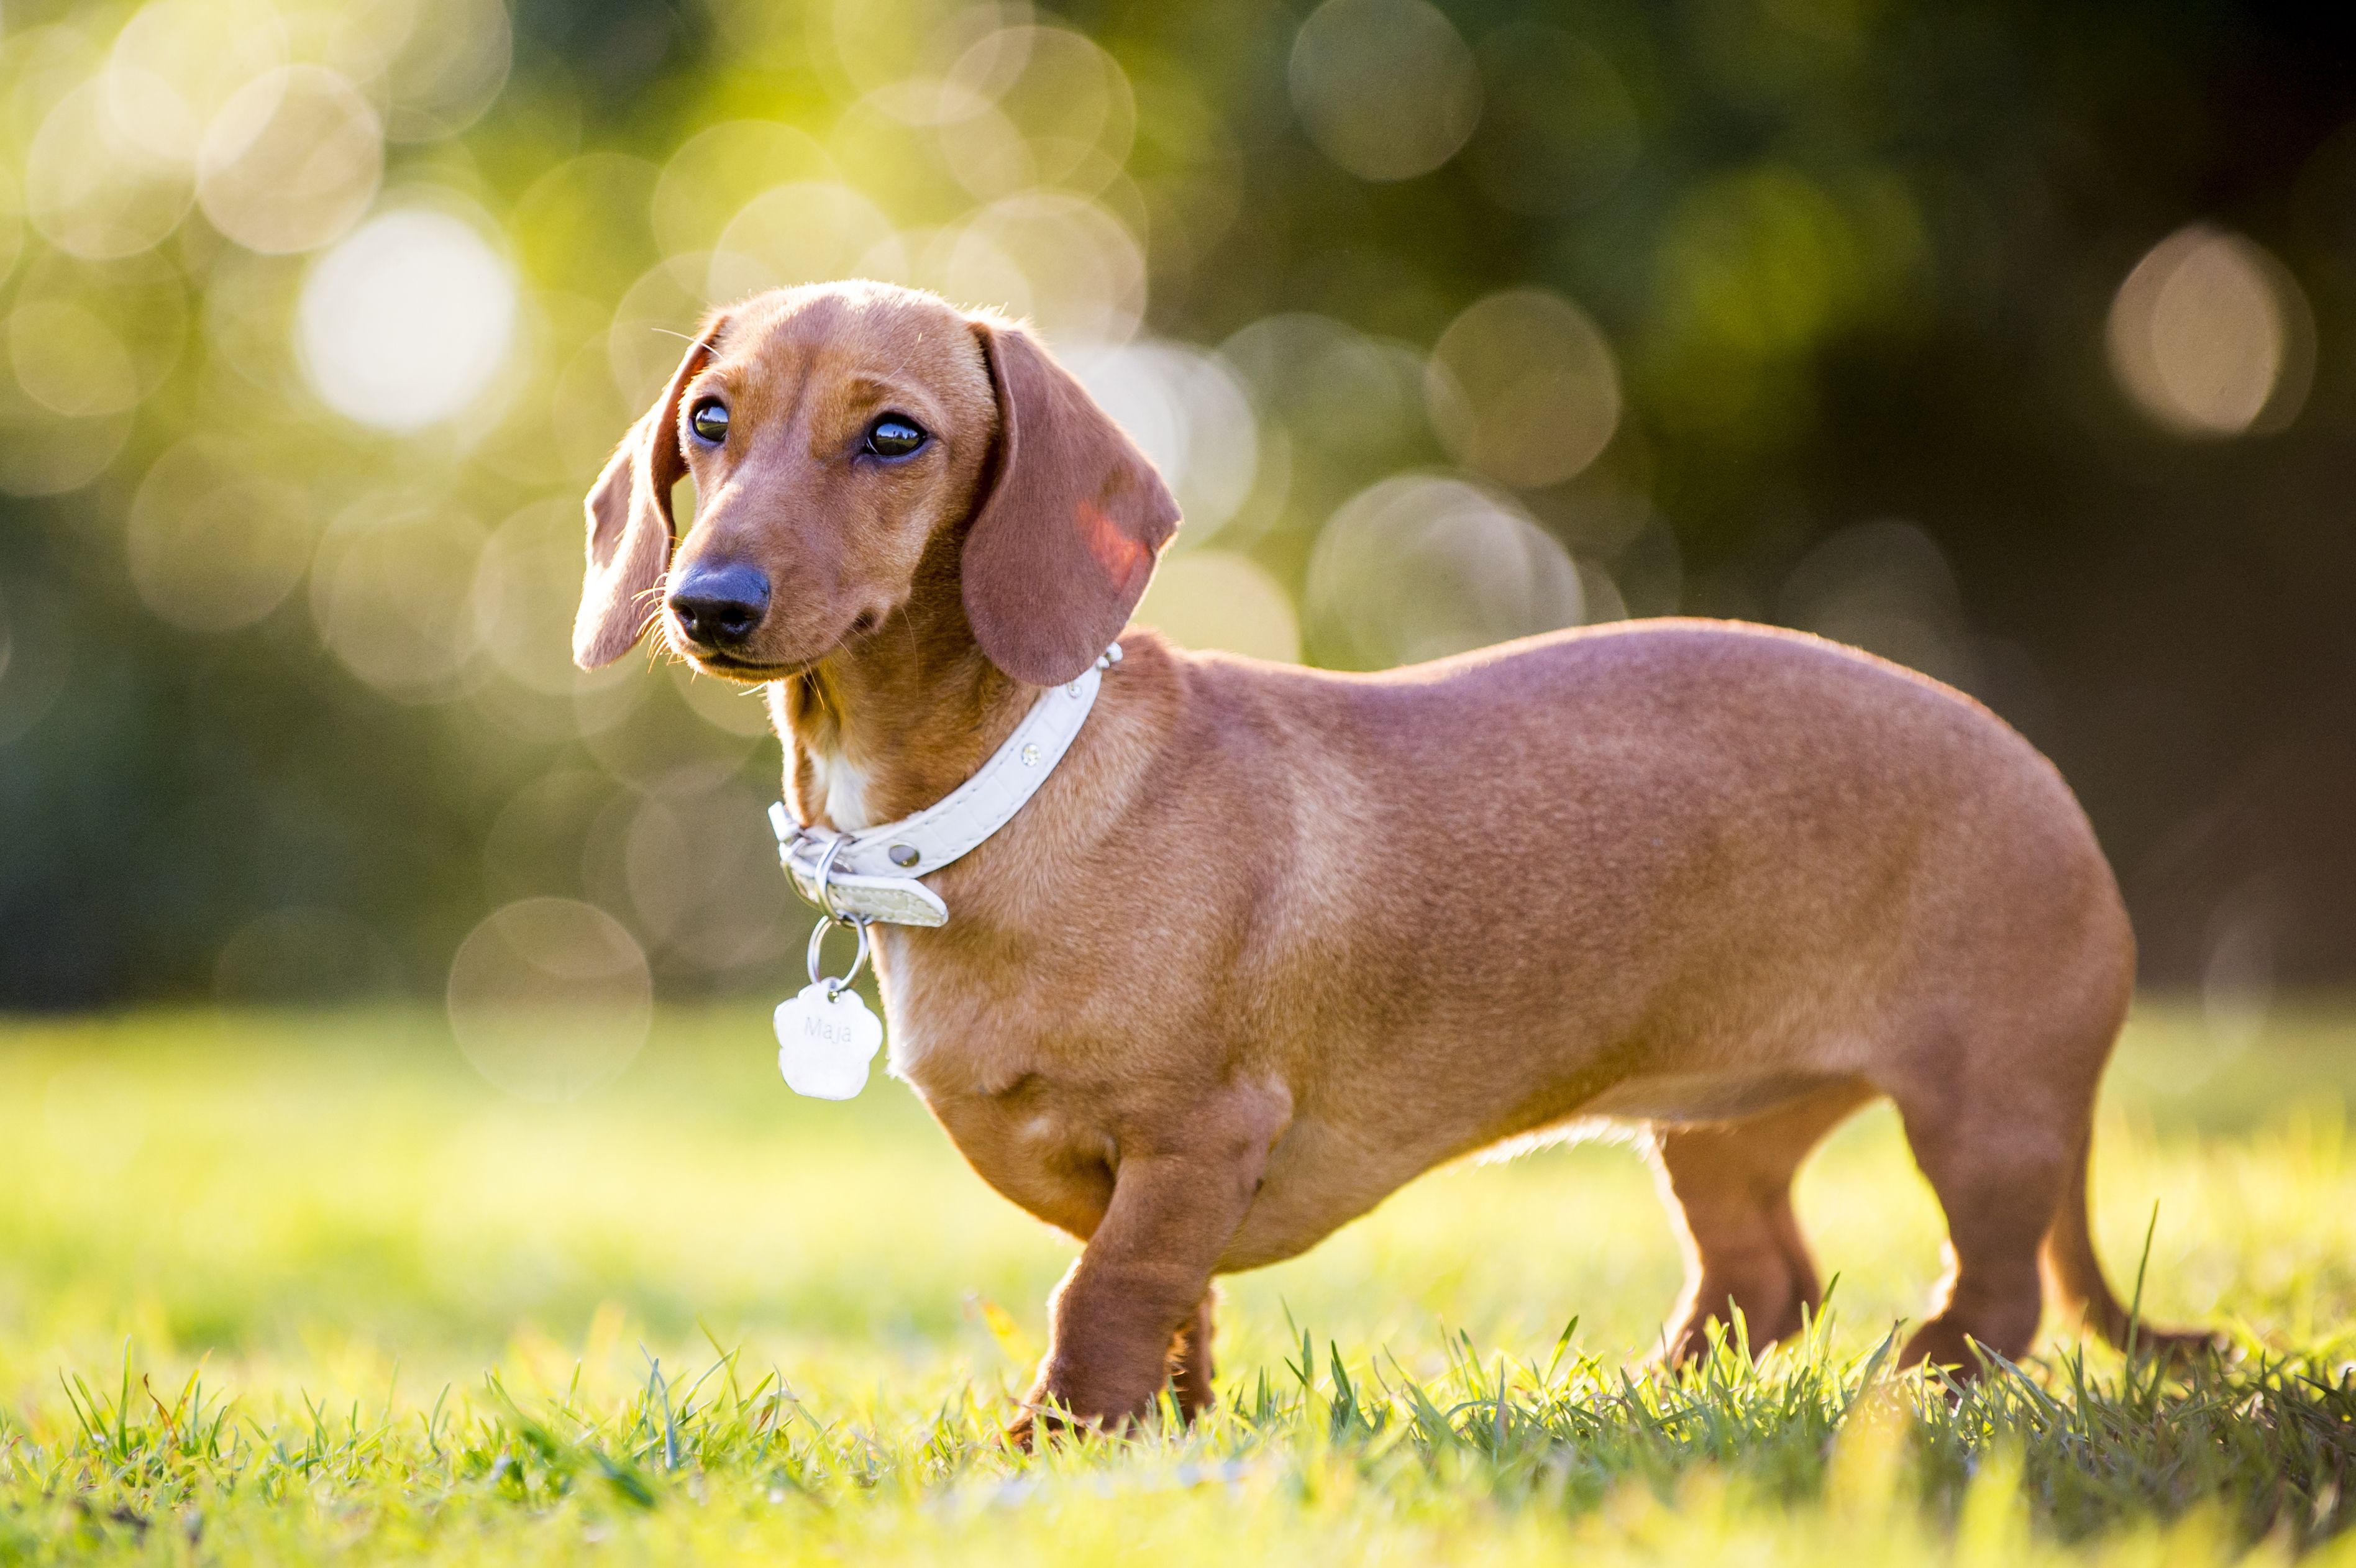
(1271, 940)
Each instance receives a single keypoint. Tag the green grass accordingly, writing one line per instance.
(280, 1288)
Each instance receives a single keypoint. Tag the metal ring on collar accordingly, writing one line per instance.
(837, 983)
(825, 869)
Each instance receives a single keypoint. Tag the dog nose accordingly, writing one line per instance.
(720, 605)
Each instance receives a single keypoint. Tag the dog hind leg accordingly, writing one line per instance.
(2000, 1168)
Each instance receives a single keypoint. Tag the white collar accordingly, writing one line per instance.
(872, 874)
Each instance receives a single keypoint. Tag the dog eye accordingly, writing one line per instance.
(892, 436)
(709, 420)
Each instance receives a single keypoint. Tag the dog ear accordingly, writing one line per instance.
(630, 524)
(1067, 535)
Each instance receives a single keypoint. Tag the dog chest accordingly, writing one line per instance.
(1036, 1147)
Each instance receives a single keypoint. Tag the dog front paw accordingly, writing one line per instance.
(1055, 1408)
(1021, 1433)
(1050, 1418)
(1037, 1422)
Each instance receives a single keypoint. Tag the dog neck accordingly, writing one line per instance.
(889, 723)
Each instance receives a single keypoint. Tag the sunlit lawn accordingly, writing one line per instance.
(430, 1321)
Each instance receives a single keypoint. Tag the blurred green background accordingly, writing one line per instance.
(2012, 341)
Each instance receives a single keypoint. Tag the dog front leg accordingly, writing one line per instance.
(1146, 1271)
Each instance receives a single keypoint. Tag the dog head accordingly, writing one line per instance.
(840, 436)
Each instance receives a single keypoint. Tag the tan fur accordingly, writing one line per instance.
(1272, 941)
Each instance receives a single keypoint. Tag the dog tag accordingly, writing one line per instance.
(825, 1042)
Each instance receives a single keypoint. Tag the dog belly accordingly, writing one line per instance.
(1321, 1177)
(1682, 1098)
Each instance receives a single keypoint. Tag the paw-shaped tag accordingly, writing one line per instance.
(825, 1042)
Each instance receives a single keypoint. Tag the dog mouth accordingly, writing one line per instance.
(756, 672)
(747, 671)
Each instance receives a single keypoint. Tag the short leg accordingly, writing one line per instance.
(2073, 1279)
(1115, 1317)
(1189, 1360)
(1999, 1178)
(1730, 1187)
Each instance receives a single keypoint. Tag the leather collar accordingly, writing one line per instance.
(873, 874)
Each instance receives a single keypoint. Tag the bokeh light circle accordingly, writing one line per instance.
(1189, 413)
(1523, 388)
(526, 584)
(92, 191)
(216, 543)
(701, 874)
(878, 42)
(2210, 336)
(69, 360)
(1384, 88)
(807, 232)
(550, 999)
(642, 348)
(1422, 565)
(12, 222)
(290, 161)
(1355, 401)
(1219, 599)
(967, 267)
(1059, 93)
(1083, 272)
(90, 338)
(404, 323)
(1885, 586)
(177, 62)
(582, 226)
(44, 452)
(449, 60)
(987, 154)
(718, 170)
(392, 592)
